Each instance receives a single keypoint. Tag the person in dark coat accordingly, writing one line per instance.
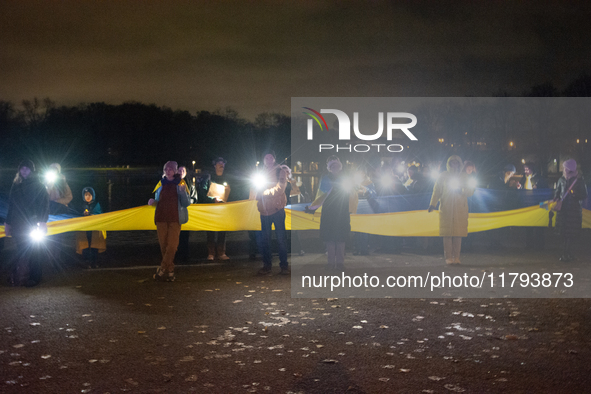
(28, 212)
(503, 181)
(367, 192)
(182, 252)
(569, 219)
(534, 236)
(416, 183)
(388, 183)
(335, 220)
(202, 185)
(505, 201)
(217, 247)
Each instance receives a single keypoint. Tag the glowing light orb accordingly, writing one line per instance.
(258, 181)
(434, 174)
(37, 235)
(386, 181)
(358, 178)
(51, 176)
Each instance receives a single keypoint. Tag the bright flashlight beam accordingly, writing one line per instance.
(434, 174)
(358, 178)
(386, 180)
(348, 183)
(37, 235)
(258, 181)
(472, 183)
(51, 176)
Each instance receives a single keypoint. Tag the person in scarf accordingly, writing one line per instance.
(171, 202)
(571, 190)
(90, 243)
(335, 219)
(452, 189)
(28, 211)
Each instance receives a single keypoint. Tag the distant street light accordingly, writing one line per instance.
(193, 165)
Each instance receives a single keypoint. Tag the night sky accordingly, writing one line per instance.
(254, 56)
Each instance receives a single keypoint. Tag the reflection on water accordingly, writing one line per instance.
(115, 188)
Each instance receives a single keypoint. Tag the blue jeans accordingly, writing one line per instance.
(264, 238)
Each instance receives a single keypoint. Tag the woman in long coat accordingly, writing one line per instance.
(569, 219)
(335, 219)
(452, 189)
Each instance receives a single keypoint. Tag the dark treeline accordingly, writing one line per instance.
(134, 134)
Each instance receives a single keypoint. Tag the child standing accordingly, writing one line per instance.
(90, 243)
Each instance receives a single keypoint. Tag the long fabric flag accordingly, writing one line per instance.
(392, 215)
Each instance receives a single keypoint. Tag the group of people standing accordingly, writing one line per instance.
(30, 204)
(450, 191)
(32, 198)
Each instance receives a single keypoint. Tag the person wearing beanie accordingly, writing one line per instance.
(571, 190)
(28, 211)
(452, 189)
